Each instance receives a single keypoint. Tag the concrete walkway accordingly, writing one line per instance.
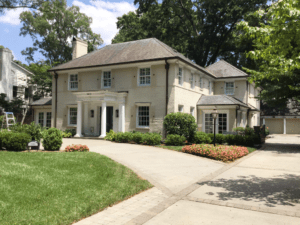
(261, 188)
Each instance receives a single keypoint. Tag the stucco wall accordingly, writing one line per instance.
(240, 89)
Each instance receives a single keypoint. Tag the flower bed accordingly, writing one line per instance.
(77, 148)
(220, 152)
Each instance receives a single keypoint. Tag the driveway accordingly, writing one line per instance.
(261, 188)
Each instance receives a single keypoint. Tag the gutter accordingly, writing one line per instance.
(55, 113)
(167, 67)
(236, 115)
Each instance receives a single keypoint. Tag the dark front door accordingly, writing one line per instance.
(109, 118)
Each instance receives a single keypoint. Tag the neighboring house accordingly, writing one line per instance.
(133, 85)
(285, 121)
(14, 78)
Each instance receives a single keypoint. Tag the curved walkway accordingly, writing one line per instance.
(261, 188)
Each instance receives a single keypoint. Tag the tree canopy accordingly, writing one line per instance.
(277, 48)
(200, 29)
(14, 4)
(52, 27)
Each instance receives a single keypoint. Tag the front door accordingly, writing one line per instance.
(109, 118)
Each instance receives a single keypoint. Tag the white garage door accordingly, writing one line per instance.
(293, 126)
(275, 125)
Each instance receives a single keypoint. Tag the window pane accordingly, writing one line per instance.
(48, 121)
(208, 123)
(73, 116)
(144, 76)
(41, 119)
(222, 123)
(143, 116)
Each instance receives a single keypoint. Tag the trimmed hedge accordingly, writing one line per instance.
(182, 124)
(52, 139)
(201, 138)
(175, 139)
(14, 141)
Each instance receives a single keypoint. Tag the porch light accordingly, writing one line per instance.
(214, 115)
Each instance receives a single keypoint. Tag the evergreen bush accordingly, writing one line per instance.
(201, 138)
(52, 139)
(175, 139)
(12, 141)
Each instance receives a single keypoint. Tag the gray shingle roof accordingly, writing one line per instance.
(225, 69)
(127, 52)
(42, 101)
(220, 100)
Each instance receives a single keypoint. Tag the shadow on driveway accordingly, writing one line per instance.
(279, 190)
(282, 148)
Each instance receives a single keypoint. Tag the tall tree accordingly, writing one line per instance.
(277, 46)
(52, 27)
(14, 4)
(200, 29)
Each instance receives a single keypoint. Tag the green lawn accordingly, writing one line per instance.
(60, 188)
(179, 148)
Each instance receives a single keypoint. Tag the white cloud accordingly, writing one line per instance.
(104, 16)
(11, 16)
(6, 30)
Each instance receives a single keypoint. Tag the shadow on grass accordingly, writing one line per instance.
(280, 190)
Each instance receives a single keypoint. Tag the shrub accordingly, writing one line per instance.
(220, 138)
(230, 139)
(77, 148)
(72, 131)
(175, 139)
(201, 138)
(111, 135)
(249, 131)
(123, 137)
(137, 137)
(182, 124)
(220, 152)
(34, 130)
(52, 139)
(267, 132)
(14, 141)
(239, 130)
(64, 134)
(152, 138)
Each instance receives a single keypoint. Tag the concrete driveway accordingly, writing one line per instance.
(261, 188)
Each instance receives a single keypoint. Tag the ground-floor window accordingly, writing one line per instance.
(48, 119)
(143, 116)
(180, 108)
(222, 126)
(41, 119)
(208, 123)
(73, 116)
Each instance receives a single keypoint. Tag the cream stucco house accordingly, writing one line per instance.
(133, 85)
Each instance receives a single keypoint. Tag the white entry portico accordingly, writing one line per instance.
(92, 108)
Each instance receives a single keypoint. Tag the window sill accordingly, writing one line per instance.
(144, 128)
(69, 125)
(144, 85)
(73, 89)
(106, 87)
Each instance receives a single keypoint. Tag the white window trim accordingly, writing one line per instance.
(69, 87)
(181, 84)
(138, 76)
(137, 118)
(44, 119)
(217, 127)
(225, 87)
(192, 81)
(71, 125)
(102, 80)
(200, 82)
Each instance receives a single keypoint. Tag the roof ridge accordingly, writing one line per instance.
(160, 43)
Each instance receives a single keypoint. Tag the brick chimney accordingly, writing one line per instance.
(80, 48)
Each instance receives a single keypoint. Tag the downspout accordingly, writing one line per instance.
(236, 115)
(167, 67)
(247, 100)
(55, 116)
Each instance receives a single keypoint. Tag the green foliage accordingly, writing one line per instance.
(246, 140)
(123, 137)
(183, 124)
(175, 139)
(137, 137)
(220, 138)
(202, 30)
(201, 138)
(1, 121)
(14, 4)
(267, 131)
(110, 136)
(52, 139)
(15, 105)
(277, 46)
(72, 131)
(52, 26)
(152, 138)
(64, 134)
(14, 141)
(239, 130)
(230, 139)
(34, 130)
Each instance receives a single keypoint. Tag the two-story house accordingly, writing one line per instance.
(133, 85)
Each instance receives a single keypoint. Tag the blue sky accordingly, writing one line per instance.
(104, 14)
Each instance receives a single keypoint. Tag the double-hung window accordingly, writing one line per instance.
(200, 82)
(41, 119)
(210, 87)
(222, 126)
(192, 81)
(144, 77)
(73, 82)
(73, 116)
(48, 119)
(180, 77)
(229, 88)
(106, 79)
(143, 116)
(208, 123)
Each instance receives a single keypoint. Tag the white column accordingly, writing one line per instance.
(103, 120)
(122, 117)
(284, 125)
(244, 119)
(86, 118)
(79, 119)
(264, 121)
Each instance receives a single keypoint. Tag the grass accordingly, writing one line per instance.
(179, 148)
(60, 188)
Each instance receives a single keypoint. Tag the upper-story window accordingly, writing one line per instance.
(73, 82)
(192, 81)
(106, 79)
(210, 87)
(200, 82)
(229, 88)
(180, 77)
(144, 77)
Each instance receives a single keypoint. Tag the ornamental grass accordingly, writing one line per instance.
(220, 152)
